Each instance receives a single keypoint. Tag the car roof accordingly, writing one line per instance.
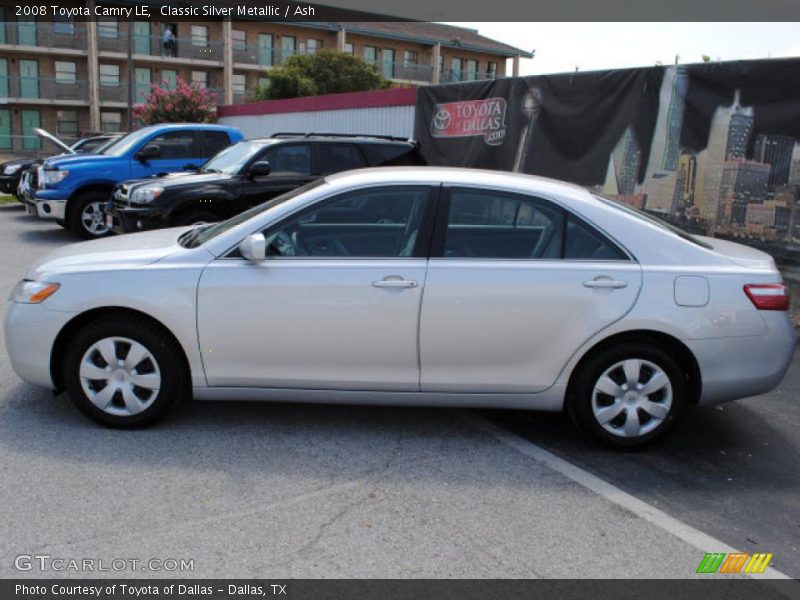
(456, 175)
(210, 126)
(338, 138)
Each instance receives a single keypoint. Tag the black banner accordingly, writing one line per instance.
(395, 589)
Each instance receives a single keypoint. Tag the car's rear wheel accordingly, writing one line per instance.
(87, 216)
(124, 372)
(196, 217)
(628, 395)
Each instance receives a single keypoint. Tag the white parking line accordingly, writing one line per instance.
(687, 533)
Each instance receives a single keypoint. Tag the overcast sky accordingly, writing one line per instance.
(560, 47)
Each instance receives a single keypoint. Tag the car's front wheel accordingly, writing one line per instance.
(124, 372)
(628, 395)
(87, 215)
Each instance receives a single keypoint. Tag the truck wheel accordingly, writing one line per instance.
(196, 216)
(87, 217)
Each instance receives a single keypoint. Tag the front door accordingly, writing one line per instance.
(177, 150)
(141, 37)
(334, 306)
(290, 168)
(30, 121)
(143, 81)
(29, 78)
(26, 31)
(517, 286)
(387, 55)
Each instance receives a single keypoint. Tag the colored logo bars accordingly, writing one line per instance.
(738, 562)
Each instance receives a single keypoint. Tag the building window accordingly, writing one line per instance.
(491, 70)
(313, 45)
(108, 28)
(239, 84)
(371, 54)
(288, 45)
(263, 83)
(239, 39)
(472, 70)
(111, 121)
(349, 49)
(409, 58)
(65, 71)
(455, 69)
(67, 123)
(109, 75)
(63, 25)
(200, 36)
(200, 79)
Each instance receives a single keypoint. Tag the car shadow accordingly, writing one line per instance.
(52, 236)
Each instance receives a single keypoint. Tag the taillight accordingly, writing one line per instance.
(768, 296)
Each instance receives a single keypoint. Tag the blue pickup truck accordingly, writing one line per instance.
(73, 190)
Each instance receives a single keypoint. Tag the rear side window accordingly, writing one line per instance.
(393, 155)
(174, 145)
(586, 243)
(289, 159)
(209, 143)
(493, 224)
(340, 157)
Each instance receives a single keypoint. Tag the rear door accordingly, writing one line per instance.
(515, 285)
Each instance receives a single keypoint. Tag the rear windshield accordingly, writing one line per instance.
(640, 214)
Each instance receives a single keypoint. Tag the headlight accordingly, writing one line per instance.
(11, 169)
(146, 194)
(33, 292)
(48, 177)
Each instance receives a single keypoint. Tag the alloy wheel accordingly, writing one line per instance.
(93, 219)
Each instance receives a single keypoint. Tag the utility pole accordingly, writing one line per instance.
(130, 76)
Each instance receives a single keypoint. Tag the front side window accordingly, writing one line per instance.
(289, 159)
(174, 145)
(372, 223)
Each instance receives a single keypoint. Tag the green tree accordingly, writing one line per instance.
(324, 72)
(183, 104)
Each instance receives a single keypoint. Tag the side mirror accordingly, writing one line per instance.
(259, 169)
(148, 152)
(254, 247)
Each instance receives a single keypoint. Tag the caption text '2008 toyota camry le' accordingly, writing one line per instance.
(410, 286)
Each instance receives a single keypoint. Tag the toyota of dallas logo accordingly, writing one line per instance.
(469, 118)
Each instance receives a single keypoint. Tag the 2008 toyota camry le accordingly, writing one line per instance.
(410, 286)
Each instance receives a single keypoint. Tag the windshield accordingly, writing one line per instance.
(640, 214)
(233, 158)
(200, 235)
(106, 145)
(124, 144)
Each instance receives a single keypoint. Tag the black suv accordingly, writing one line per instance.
(247, 174)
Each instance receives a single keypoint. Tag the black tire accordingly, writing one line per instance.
(579, 402)
(75, 216)
(168, 358)
(195, 216)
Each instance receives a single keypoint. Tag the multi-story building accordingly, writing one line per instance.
(71, 77)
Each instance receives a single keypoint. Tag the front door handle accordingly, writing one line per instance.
(605, 284)
(394, 283)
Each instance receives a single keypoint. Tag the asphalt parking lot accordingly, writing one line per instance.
(270, 490)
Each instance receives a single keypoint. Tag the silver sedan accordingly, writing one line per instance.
(410, 286)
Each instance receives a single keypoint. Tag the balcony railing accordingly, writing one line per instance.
(113, 92)
(47, 88)
(265, 56)
(405, 70)
(451, 76)
(60, 35)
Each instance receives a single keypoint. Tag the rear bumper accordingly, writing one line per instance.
(738, 367)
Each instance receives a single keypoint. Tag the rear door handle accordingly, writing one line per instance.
(605, 283)
(394, 283)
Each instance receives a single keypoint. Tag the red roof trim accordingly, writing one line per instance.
(371, 99)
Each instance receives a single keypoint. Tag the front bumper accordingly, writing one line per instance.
(9, 183)
(129, 219)
(30, 332)
(48, 204)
